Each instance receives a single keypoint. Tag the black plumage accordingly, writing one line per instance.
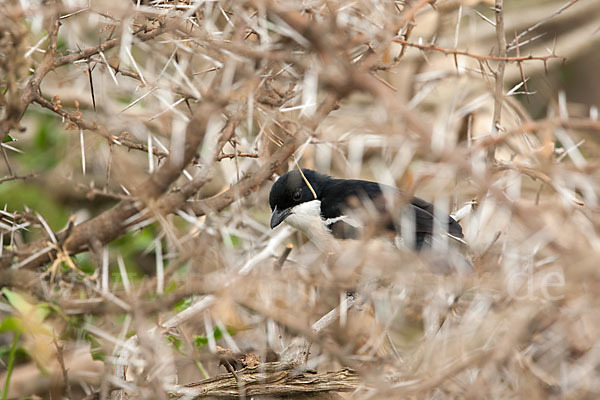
(339, 197)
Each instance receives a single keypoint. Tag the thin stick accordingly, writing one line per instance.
(479, 57)
(499, 75)
(11, 364)
(305, 180)
(281, 260)
(65, 372)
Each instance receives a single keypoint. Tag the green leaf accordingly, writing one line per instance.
(17, 301)
(183, 304)
(8, 139)
(53, 308)
(38, 312)
(201, 341)
(11, 323)
(236, 241)
(171, 287)
(176, 342)
(11, 363)
(84, 263)
(96, 349)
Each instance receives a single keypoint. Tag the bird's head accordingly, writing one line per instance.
(290, 192)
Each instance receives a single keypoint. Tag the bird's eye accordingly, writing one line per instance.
(297, 194)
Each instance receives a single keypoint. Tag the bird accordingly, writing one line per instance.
(325, 209)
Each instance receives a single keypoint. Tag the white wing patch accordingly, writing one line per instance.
(345, 218)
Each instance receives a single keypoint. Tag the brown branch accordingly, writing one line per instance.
(109, 225)
(273, 379)
(76, 120)
(141, 35)
(61, 361)
(112, 225)
(499, 77)
(46, 65)
(12, 65)
(479, 57)
(520, 64)
(50, 62)
(17, 108)
(105, 306)
(238, 154)
(21, 279)
(17, 177)
(243, 188)
(281, 260)
(534, 126)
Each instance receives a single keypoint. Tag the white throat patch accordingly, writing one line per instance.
(306, 217)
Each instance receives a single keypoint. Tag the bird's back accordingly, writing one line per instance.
(379, 203)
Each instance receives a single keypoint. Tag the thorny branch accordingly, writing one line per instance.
(109, 225)
(479, 57)
(498, 76)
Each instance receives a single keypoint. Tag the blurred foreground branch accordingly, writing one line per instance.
(274, 380)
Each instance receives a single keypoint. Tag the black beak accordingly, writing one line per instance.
(278, 216)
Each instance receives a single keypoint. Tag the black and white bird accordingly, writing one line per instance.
(344, 208)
